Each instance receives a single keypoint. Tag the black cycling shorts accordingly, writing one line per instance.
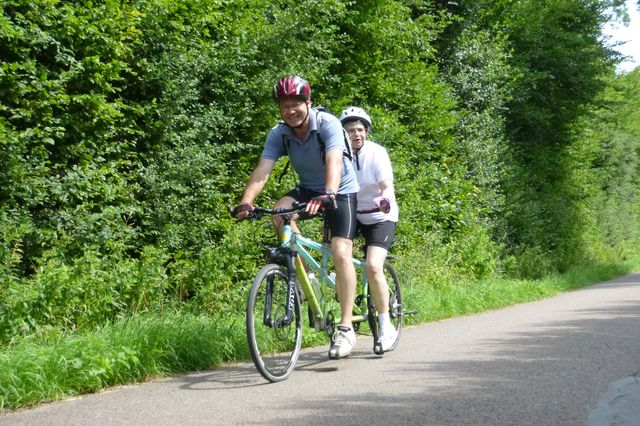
(341, 221)
(378, 234)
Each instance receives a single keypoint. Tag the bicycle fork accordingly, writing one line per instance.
(291, 292)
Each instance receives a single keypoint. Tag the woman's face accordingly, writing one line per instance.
(357, 133)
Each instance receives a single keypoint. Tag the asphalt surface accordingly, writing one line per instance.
(573, 359)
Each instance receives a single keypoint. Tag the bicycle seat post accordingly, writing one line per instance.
(326, 236)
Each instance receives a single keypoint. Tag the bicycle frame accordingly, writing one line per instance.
(299, 247)
(274, 318)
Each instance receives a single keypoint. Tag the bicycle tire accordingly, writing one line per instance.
(396, 306)
(395, 309)
(274, 348)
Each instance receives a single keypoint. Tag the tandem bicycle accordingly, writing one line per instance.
(274, 315)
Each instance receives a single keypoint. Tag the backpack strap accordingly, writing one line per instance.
(347, 143)
(286, 143)
(320, 140)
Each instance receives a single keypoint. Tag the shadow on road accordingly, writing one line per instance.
(527, 375)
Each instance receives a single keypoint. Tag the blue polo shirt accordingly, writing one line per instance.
(305, 155)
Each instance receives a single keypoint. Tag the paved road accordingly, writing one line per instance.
(569, 360)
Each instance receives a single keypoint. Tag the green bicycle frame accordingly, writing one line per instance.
(302, 246)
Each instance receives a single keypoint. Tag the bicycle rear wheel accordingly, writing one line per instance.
(274, 340)
(395, 300)
(395, 308)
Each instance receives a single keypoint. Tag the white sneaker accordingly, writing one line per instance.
(388, 338)
(343, 340)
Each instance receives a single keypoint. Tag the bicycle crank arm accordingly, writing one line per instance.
(359, 318)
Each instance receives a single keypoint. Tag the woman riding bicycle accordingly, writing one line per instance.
(375, 177)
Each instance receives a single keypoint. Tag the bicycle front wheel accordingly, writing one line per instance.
(274, 336)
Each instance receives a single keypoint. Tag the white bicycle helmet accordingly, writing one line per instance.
(355, 113)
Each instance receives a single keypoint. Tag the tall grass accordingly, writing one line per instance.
(54, 366)
(454, 296)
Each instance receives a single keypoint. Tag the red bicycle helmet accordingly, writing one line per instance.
(292, 86)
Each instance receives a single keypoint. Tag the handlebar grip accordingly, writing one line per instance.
(297, 205)
(375, 210)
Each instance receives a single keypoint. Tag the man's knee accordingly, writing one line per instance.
(342, 249)
(374, 268)
(284, 202)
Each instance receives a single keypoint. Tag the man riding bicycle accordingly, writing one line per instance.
(327, 180)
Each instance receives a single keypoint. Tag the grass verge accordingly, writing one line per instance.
(56, 366)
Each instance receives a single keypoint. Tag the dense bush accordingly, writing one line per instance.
(127, 128)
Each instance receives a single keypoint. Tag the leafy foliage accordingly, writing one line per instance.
(126, 128)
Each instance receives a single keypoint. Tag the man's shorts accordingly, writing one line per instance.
(341, 221)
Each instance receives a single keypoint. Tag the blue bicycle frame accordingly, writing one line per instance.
(300, 247)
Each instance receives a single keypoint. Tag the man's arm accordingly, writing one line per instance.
(333, 173)
(333, 170)
(257, 180)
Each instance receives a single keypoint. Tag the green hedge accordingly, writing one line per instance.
(127, 128)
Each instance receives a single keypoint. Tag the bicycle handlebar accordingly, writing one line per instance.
(258, 212)
(296, 207)
(373, 210)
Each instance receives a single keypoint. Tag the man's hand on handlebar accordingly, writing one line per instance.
(242, 211)
(327, 201)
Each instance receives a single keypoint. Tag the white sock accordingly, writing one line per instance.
(385, 321)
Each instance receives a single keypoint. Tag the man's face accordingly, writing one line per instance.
(294, 110)
(357, 133)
